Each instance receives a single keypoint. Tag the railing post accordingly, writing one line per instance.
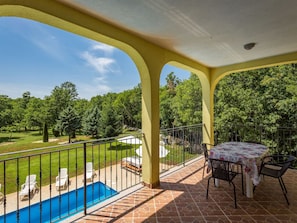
(184, 151)
(50, 186)
(18, 186)
(40, 187)
(85, 177)
(4, 181)
(29, 172)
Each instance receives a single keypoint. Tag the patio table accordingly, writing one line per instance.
(244, 153)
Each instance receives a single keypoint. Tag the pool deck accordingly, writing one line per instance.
(113, 176)
(181, 197)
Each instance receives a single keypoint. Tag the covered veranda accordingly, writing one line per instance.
(207, 38)
(181, 198)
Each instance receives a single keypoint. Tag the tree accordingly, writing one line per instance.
(167, 94)
(280, 94)
(19, 106)
(61, 97)
(238, 102)
(110, 120)
(167, 114)
(80, 106)
(265, 97)
(18, 113)
(5, 111)
(187, 103)
(69, 122)
(91, 122)
(45, 133)
(25, 99)
(128, 105)
(172, 81)
(97, 101)
(34, 115)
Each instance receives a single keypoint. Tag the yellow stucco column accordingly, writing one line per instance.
(151, 123)
(207, 111)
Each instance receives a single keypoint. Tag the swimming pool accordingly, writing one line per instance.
(60, 207)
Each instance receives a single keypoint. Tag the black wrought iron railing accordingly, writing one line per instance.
(280, 140)
(35, 190)
(184, 144)
(114, 165)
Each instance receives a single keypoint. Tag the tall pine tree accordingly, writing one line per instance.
(69, 122)
(91, 122)
(110, 121)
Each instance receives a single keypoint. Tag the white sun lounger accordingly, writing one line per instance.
(1, 195)
(90, 172)
(132, 163)
(29, 187)
(62, 179)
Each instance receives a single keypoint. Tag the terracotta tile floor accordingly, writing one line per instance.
(182, 198)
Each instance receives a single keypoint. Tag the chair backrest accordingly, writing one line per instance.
(286, 163)
(221, 169)
(31, 179)
(282, 161)
(234, 136)
(205, 151)
(89, 166)
(63, 172)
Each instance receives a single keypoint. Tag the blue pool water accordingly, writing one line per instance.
(60, 207)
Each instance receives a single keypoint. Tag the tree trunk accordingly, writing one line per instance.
(45, 133)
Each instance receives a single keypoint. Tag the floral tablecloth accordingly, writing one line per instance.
(247, 154)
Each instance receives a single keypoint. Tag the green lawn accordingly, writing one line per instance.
(70, 156)
(48, 161)
(18, 141)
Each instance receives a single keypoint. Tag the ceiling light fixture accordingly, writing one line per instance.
(249, 46)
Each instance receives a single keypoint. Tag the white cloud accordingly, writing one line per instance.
(101, 64)
(99, 58)
(103, 47)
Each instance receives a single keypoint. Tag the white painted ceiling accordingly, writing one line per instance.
(211, 32)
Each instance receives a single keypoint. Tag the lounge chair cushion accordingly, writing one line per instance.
(29, 187)
(132, 162)
(62, 179)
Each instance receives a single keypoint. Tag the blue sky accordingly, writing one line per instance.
(36, 57)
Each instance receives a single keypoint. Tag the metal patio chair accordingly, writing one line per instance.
(221, 170)
(276, 166)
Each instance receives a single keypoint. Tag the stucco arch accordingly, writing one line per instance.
(221, 72)
(207, 104)
(218, 74)
(148, 65)
(148, 58)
